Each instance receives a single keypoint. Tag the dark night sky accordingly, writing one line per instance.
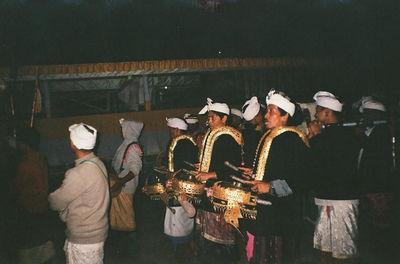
(365, 34)
(54, 32)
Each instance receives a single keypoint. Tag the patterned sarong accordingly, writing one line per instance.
(215, 229)
(336, 229)
(83, 253)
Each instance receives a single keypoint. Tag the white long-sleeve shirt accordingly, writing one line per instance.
(181, 223)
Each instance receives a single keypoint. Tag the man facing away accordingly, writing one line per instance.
(83, 200)
(335, 150)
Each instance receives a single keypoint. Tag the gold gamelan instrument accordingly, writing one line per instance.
(155, 189)
(236, 200)
(185, 182)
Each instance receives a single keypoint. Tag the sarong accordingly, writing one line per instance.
(217, 242)
(215, 229)
(379, 207)
(336, 229)
(270, 249)
(83, 253)
(122, 215)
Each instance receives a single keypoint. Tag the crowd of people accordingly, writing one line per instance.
(339, 176)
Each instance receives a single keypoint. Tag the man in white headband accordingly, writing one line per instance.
(280, 100)
(221, 143)
(328, 111)
(252, 129)
(334, 152)
(176, 123)
(279, 169)
(371, 104)
(328, 100)
(215, 107)
(375, 166)
(181, 147)
(83, 200)
(194, 128)
(277, 102)
(251, 109)
(178, 226)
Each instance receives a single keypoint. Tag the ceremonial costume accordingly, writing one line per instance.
(178, 225)
(281, 160)
(251, 136)
(375, 163)
(334, 153)
(181, 149)
(219, 145)
(375, 160)
(194, 129)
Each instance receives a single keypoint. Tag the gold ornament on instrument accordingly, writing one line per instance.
(235, 200)
(186, 183)
(155, 188)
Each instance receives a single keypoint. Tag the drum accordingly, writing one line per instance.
(235, 200)
(184, 182)
(155, 187)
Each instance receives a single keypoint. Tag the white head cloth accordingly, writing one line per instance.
(217, 107)
(83, 136)
(236, 112)
(280, 101)
(328, 100)
(190, 119)
(370, 103)
(176, 123)
(251, 108)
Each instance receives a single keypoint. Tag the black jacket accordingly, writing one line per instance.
(251, 137)
(185, 151)
(376, 161)
(287, 160)
(335, 155)
(225, 149)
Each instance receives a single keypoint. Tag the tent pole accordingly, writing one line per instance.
(35, 97)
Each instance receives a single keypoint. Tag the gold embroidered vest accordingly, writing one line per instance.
(172, 147)
(263, 152)
(208, 144)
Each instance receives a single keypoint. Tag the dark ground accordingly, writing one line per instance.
(150, 246)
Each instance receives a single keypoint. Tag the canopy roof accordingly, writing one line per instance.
(118, 69)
